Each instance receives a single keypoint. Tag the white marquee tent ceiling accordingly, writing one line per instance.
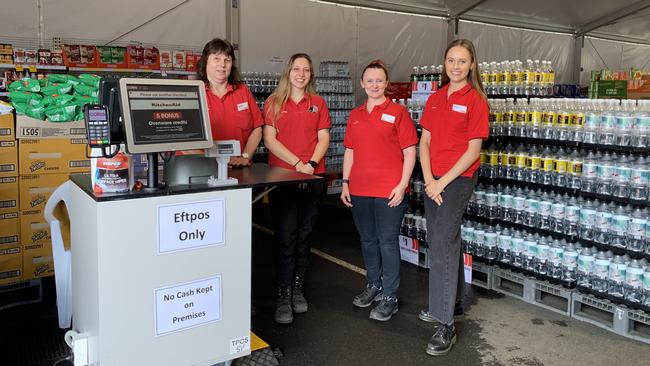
(626, 20)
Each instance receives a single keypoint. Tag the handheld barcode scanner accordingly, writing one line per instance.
(222, 150)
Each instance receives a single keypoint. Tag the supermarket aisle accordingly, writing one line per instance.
(498, 330)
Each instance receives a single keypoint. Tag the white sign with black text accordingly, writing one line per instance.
(191, 226)
(187, 305)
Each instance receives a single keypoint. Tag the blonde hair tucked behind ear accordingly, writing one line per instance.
(283, 91)
(474, 73)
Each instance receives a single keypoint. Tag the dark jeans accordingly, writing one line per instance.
(295, 211)
(445, 259)
(378, 227)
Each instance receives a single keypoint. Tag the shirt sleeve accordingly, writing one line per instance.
(268, 106)
(406, 133)
(477, 121)
(348, 141)
(427, 114)
(323, 115)
(256, 115)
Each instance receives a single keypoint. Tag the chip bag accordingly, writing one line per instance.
(90, 80)
(61, 113)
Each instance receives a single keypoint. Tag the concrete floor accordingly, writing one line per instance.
(498, 330)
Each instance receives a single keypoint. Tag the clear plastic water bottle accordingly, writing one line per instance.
(549, 119)
(640, 179)
(529, 253)
(534, 119)
(600, 275)
(516, 250)
(547, 166)
(521, 115)
(571, 216)
(533, 165)
(602, 230)
(467, 237)
(479, 241)
(518, 76)
(633, 290)
(576, 128)
(641, 137)
(509, 117)
(424, 230)
(620, 223)
(616, 276)
(607, 127)
(519, 206)
(624, 123)
(506, 205)
(531, 211)
(511, 164)
(491, 203)
(562, 131)
(588, 221)
(589, 177)
(561, 164)
(479, 196)
(574, 169)
(490, 245)
(622, 178)
(503, 245)
(646, 286)
(554, 263)
(570, 264)
(545, 209)
(592, 120)
(557, 215)
(542, 257)
(520, 170)
(606, 171)
(636, 230)
(585, 267)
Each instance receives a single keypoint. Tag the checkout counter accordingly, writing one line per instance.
(159, 276)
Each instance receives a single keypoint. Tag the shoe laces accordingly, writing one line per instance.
(298, 283)
(443, 330)
(284, 292)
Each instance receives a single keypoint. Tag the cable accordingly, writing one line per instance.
(69, 358)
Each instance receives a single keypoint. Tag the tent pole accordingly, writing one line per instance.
(232, 26)
(576, 58)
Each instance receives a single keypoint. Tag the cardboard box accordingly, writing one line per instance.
(34, 230)
(9, 230)
(7, 128)
(38, 156)
(8, 195)
(38, 261)
(8, 159)
(36, 189)
(32, 128)
(608, 89)
(11, 265)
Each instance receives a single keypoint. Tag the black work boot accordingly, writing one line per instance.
(298, 298)
(442, 340)
(283, 313)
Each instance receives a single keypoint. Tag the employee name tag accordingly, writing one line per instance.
(313, 109)
(388, 118)
(459, 108)
(242, 106)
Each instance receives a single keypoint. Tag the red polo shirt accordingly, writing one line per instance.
(452, 122)
(297, 128)
(377, 139)
(235, 115)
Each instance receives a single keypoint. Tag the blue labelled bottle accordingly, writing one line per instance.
(490, 245)
(592, 120)
(480, 202)
(491, 204)
(588, 221)
(646, 286)
(503, 246)
(589, 175)
(570, 264)
(622, 178)
(603, 228)
(633, 289)
(554, 262)
(557, 214)
(542, 257)
(585, 268)
(641, 136)
(479, 241)
(424, 230)
(467, 236)
(607, 127)
(636, 230)
(606, 172)
(516, 249)
(600, 275)
(640, 179)
(624, 123)
(419, 229)
(571, 216)
(412, 228)
(620, 224)
(407, 222)
(506, 205)
(647, 235)
(617, 273)
(471, 205)
(545, 205)
(519, 206)
(529, 253)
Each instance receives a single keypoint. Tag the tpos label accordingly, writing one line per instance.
(191, 225)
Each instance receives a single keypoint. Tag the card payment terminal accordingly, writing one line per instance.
(98, 127)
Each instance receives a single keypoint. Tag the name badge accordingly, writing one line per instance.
(242, 106)
(313, 109)
(459, 108)
(388, 118)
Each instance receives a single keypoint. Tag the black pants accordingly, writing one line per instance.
(445, 259)
(295, 211)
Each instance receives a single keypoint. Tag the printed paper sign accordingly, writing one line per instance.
(187, 305)
(190, 226)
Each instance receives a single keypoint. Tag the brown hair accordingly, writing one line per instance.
(377, 64)
(283, 91)
(474, 73)
(217, 46)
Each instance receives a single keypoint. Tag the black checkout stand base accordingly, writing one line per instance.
(254, 176)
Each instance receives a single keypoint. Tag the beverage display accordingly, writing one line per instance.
(535, 78)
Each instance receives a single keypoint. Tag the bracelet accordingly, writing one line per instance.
(345, 181)
(296, 162)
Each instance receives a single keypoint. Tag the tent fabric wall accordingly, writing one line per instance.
(598, 54)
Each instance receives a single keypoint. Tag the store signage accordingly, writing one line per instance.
(467, 264)
(191, 225)
(187, 305)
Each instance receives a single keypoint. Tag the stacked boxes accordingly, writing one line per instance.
(11, 257)
(44, 164)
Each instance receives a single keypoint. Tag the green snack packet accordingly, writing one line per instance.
(79, 116)
(43, 82)
(61, 99)
(85, 99)
(56, 88)
(61, 113)
(82, 89)
(20, 108)
(90, 80)
(23, 96)
(35, 112)
(25, 84)
(63, 78)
